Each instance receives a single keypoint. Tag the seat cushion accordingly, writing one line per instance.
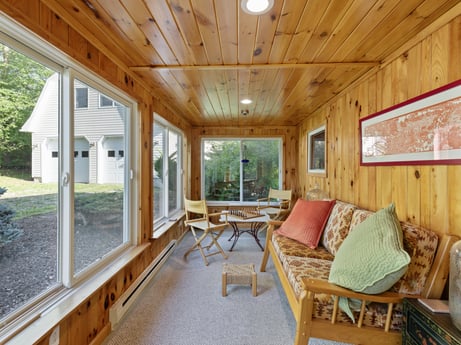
(372, 257)
(298, 268)
(285, 246)
(306, 221)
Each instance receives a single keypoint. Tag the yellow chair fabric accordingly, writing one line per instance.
(198, 219)
(277, 204)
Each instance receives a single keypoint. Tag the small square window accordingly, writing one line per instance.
(121, 153)
(81, 97)
(84, 154)
(316, 152)
(105, 101)
(111, 153)
(75, 154)
(54, 154)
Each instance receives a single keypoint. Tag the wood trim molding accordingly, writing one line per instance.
(252, 67)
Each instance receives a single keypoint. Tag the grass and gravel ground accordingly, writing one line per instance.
(28, 262)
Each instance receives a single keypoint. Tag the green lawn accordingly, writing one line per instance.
(29, 198)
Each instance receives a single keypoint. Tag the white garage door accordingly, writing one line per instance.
(112, 162)
(49, 160)
(81, 160)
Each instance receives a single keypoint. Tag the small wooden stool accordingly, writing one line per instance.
(238, 274)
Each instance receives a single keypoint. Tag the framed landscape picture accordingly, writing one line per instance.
(421, 131)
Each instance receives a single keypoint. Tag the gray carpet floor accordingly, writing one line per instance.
(183, 304)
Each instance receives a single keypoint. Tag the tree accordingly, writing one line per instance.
(172, 175)
(259, 160)
(21, 81)
(222, 170)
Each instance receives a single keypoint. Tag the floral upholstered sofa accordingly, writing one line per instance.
(305, 267)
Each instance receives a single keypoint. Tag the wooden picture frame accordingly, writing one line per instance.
(424, 130)
(316, 151)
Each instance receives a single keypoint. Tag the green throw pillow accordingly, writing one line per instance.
(372, 258)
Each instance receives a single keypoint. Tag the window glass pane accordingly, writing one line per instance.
(260, 168)
(81, 97)
(316, 151)
(105, 101)
(317, 158)
(222, 170)
(29, 98)
(99, 180)
(159, 200)
(172, 171)
(235, 166)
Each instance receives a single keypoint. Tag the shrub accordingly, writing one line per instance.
(8, 230)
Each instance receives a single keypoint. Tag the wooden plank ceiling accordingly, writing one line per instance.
(203, 56)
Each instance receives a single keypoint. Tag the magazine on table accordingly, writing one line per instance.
(435, 305)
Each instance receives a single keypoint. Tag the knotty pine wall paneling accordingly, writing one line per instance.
(89, 322)
(428, 195)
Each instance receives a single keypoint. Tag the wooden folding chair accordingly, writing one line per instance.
(198, 208)
(277, 204)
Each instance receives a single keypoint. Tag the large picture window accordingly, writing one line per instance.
(167, 168)
(240, 170)
(28, 210)
(65, 202)
(99, 178)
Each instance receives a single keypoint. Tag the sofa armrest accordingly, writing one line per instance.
(274, 222)
(271, 225)
(323, 286)
(314, 286)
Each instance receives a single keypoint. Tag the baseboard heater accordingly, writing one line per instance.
(118, 310)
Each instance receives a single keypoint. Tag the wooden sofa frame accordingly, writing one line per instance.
(302, 307)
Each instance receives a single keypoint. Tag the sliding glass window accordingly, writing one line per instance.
(240, 170)
(29, 102)
(167, 171)
(65, 175)
(99, 147)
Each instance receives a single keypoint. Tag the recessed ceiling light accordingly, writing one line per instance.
(246, 101)
(257, 7)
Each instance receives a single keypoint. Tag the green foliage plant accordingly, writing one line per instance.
(21, 82)
(8, 230)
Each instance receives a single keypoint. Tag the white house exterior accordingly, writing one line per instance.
(99, 146)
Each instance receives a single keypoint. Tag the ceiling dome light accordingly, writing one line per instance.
(257, 7)
(246, 101)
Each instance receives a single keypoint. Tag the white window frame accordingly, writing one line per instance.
(88, 280)
(129, 236)
(169, 215)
